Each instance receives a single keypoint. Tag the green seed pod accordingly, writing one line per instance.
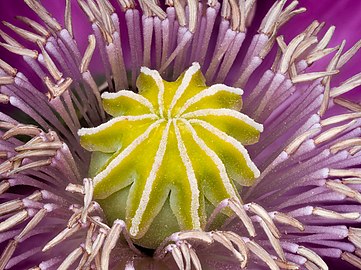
(171, 154)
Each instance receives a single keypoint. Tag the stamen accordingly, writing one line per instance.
(37, 218)
(74, 188)
(89, 237)
(287, 265)
(193, 14)
(268, 24)
(10, 206)
(327, 80)
(88, 54)
(339, 118)
(351, 181)
(186, 254)
(354, 150)
(224, 241)
(176, 253)
(334, 215)
(97, 244)
(303, 47)
(346, 86)
(290, 12)
(235, 15)
(309, 31)
(349, 54)
(183, 42)
(4, 186)
(14, 220)
(20, 51)
(64, 234)
(323, 43)
(35, 26)
(105, 17)
(344, 172)
(288, 220)
(352, 259)
(262, 213)
(40, 153)
(354, 236)
(241, 245)
(8, 253)
(241, 213)
(126, 4)
(10, 40)
(71, 258)
(39, 146)
(8, 69)
(201, 236)
(181, 16)
(54, 71)
(317, 55)
(298, 141)
(352, 106)
(262, 254)
(44, 15)
(333, 132)
(68, 18)
(158, 11)
(345, 144)
(219, 53)
(110, 242)
(83, 261)
(88, 191)
(211, 15)
(148, 24)
(288, 53)
(25, 34)
(20, 129)
(312, 256)
(273, 240)
(312, 76)
(86, 9)
(195, 260)
(58, 89)
(6, 80)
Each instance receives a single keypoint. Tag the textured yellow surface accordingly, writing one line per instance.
(170, 152)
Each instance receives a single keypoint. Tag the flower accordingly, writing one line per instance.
(301, 212)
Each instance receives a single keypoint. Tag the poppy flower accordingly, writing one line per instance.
(179, 134)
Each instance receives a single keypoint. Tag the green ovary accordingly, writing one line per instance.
(170, 155)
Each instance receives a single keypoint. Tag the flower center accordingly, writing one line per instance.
(171, 154)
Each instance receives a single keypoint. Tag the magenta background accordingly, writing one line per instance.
(344, 14)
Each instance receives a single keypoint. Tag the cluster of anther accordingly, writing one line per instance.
(15, 212)
(21, 217)
(101, 240)
(57, 84)
(180, 244)
(333, 138)
(20, 161)
(58, 51)
(336, 181)
(36, 152)
(86, 223)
